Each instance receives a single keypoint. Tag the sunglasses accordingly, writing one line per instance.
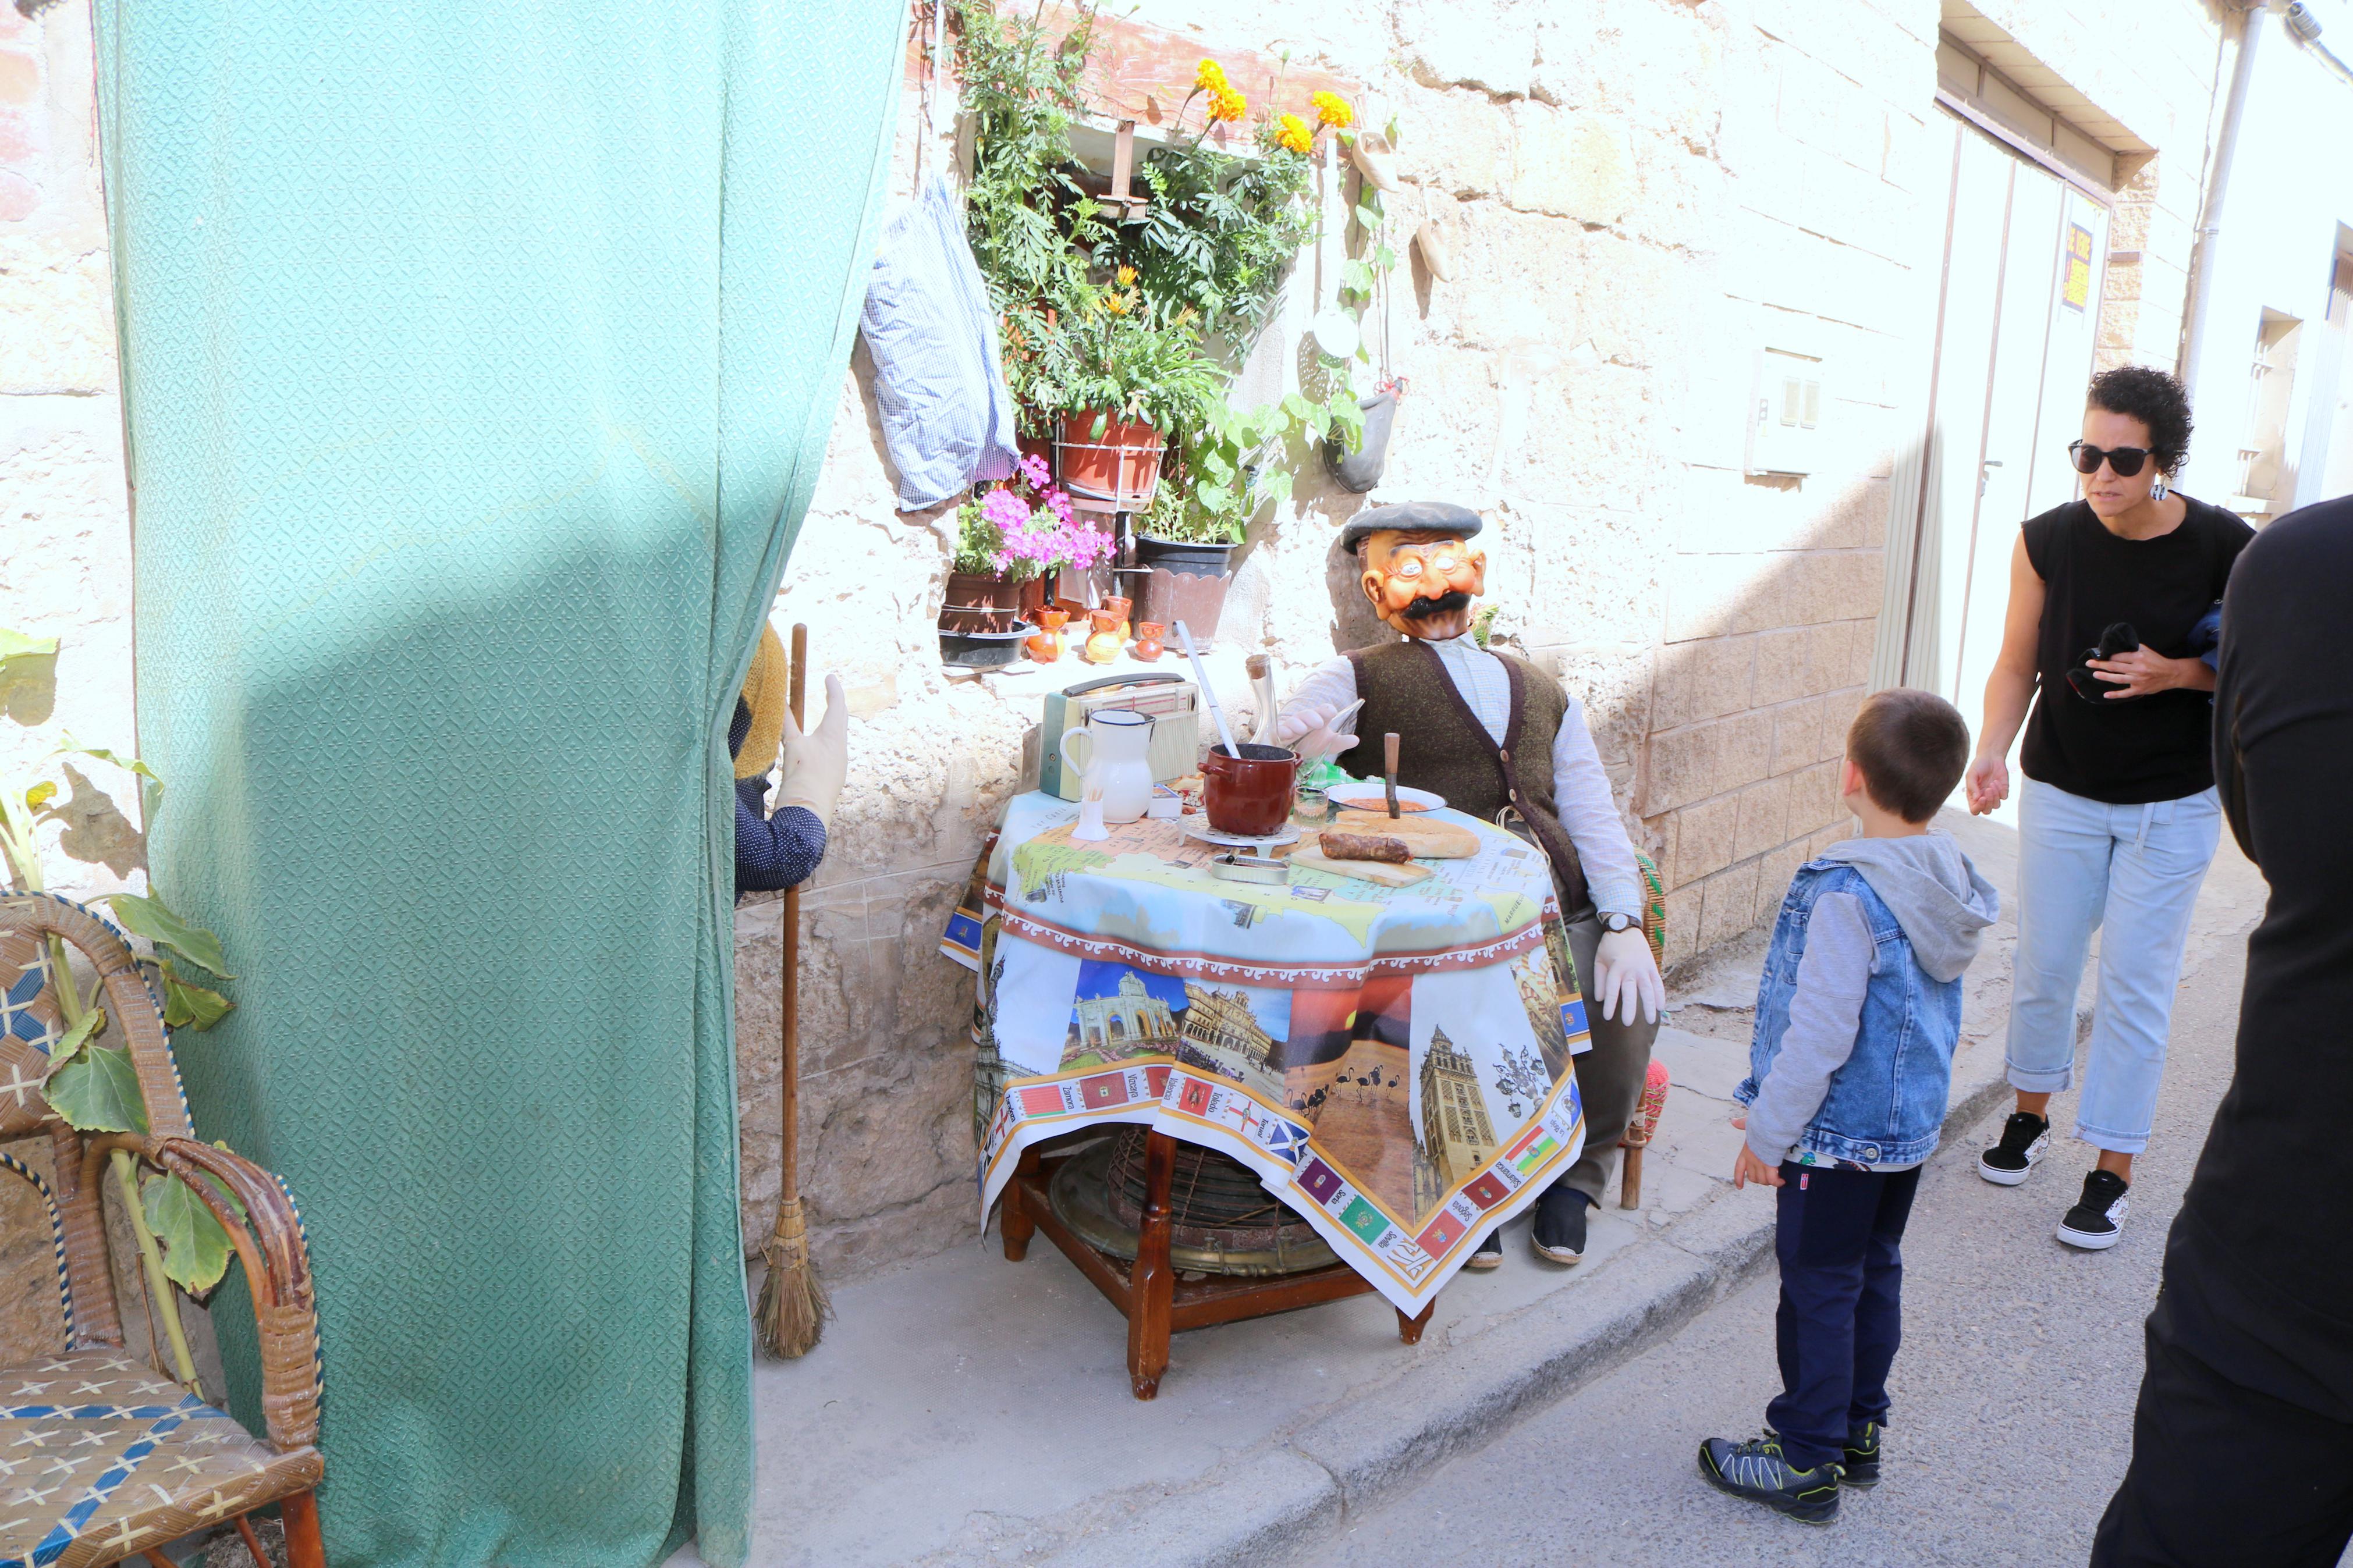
(2126, 460)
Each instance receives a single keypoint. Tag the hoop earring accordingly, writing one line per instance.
(2159, 490)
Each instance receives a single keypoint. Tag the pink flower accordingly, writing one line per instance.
(1003, 510)
(1034, 470)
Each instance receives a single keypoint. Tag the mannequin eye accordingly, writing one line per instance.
(1409, 567)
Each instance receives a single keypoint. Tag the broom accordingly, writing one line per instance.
(793, 1306)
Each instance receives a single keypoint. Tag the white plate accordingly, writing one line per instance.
(1374, 796)
(1199, 828)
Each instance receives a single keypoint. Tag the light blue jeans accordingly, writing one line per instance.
(2133, 870)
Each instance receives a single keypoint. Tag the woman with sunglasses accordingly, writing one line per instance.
(2118, 816)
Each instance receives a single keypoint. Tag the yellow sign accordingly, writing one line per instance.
(2077, 289)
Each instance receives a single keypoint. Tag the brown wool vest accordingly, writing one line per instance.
(1443, 746)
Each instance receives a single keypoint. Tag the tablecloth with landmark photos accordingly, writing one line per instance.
(1395, 1064)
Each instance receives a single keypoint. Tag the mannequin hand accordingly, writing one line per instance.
(1625, 974)
(1988, 784)
(1307, 729)
(817, 762)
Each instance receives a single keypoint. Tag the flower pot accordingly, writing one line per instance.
(1360, 470)
(980, 602)
(1184, 582)
(1033, 599)
(981, 650)
(1120, 466)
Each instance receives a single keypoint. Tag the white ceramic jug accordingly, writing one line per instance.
(1117, 743)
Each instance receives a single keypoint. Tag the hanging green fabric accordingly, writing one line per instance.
(479, 366)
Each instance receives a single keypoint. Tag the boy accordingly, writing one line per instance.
(1857, 1015)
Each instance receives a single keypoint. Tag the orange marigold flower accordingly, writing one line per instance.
(1226, 103)
(1127, 276)
(1292, 133)
(1333, 110)
(1117, 304)
(1209, 77)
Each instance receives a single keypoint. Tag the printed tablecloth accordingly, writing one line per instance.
(1394, 1063)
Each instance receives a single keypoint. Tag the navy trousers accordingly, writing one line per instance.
(1841, 1245)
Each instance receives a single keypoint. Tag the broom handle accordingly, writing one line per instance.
(789, 1079)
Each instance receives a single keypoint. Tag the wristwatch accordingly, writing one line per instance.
(1613, 922)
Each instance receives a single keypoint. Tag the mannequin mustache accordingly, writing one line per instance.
(1444, 605)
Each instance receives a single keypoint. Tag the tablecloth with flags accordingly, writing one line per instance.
(1394, 1063)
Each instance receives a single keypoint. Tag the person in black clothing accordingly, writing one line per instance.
(2242, 1441)
(2117, 820)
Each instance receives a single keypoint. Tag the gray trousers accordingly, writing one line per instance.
(1610, 1076)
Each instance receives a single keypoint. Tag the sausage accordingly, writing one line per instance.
(1367, 847)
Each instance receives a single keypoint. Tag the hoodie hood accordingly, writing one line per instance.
(1938, 896)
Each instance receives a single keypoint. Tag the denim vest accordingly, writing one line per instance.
(1886, 1104)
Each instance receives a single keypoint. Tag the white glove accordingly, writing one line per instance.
(1625, 974)
(817, 762)
(1306, 729)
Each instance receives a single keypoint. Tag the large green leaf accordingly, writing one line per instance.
(98, 1091)
(151, 782)
(192, 1006)
(76, 1037)
(17, 645)
(152, 918)
(195, 1247)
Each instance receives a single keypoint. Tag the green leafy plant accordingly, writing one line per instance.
(90, 1083)
(1219, 234)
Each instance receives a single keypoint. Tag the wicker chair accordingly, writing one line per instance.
(101, 1458)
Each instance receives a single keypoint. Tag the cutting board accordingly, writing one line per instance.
(1385, 873)
(1428, 838)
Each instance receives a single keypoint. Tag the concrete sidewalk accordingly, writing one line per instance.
(963, 1409)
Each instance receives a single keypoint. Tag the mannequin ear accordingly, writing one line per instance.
(1371, 583)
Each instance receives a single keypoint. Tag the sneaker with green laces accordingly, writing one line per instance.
(1860, 1468)
(1755, 1470)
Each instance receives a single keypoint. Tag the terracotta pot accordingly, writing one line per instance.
(1185, 583)
(1122, 465)
(1103, 640)
(1033, 599)
(1147, 640)
(1047, 645)
(1250, 795)
(980, 602)
(1120, 610)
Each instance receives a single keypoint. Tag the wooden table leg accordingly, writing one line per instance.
(1409, 1328)
(1152, 1283)
(1011, 1216)
(1630, 1181)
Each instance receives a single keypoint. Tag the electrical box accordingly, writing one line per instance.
(1785, 404)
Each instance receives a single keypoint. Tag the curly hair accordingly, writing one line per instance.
(2158, 400)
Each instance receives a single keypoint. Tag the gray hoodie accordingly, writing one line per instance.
(1933, 891)
(1944, 906)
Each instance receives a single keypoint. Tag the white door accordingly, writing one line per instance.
(2019, 307)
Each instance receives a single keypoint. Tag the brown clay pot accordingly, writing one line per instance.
(1250, 795)
(1103, 640)
(980, 602)
(1047, 645)
(1122, 465)
(1147, 640)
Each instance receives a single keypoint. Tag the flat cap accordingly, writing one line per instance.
(1419, 516)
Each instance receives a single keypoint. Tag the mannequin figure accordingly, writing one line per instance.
(1503, 740)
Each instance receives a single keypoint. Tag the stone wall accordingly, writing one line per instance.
(1640, 194)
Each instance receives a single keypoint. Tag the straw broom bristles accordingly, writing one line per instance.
(793, 1306)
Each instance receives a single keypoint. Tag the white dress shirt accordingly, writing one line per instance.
(1579, 786)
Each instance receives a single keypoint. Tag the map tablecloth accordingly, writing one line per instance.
(1394, 1063)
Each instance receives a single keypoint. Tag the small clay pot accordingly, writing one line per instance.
(1120, 608)
(1047, 645)
(1248, 796)
(1104, 638)
(1147, 640)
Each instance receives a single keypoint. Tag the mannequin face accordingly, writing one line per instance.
(1422, 583)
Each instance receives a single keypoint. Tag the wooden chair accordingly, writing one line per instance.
(101, 1458)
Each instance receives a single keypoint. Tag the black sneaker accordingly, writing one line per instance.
(1558, 1233)
(1860, 1468)
(1755, 1470)
(1488, 1254)
(2024, 1137)
(2095, 1222)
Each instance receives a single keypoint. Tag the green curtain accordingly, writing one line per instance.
(479, 363)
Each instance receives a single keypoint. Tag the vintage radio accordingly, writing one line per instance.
(1168, 700)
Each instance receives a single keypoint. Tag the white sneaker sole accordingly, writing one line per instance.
(2002, 1178)
(2089, 1241)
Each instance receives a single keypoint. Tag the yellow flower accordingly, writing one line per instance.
(1333, 110)
(1209, 77)
(1291, 132)
(1226, 103)
(1117, 304)
(1127, 276)
(39, 795)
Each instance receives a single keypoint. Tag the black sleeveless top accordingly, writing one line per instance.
(2133, 749)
